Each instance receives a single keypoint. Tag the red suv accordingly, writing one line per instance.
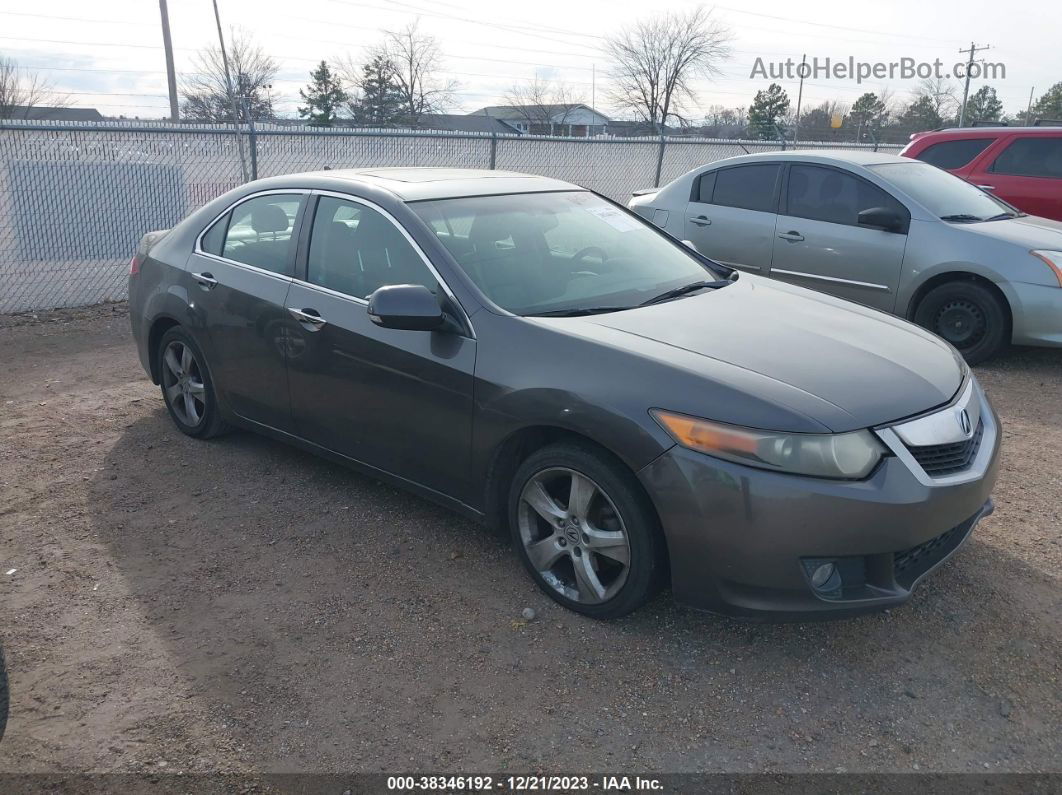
(1021, 165)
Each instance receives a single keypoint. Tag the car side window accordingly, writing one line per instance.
(1031, 157)
(260, 232)
(747, 187)
(826, 194)
(953, 154)
(355, 249)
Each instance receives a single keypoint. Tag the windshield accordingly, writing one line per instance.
(943, 194)
(535, 253)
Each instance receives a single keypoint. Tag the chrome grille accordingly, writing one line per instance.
(938, 460)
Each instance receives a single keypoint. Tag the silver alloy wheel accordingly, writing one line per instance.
(182, 382)
(573, 535)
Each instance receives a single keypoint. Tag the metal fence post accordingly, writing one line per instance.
(493, 149)
(659, 161)
(253, 139)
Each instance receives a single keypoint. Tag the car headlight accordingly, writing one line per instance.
(850, 455)
(1053, 260)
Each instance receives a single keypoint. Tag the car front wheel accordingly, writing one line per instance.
(585, 531)
(969, 316)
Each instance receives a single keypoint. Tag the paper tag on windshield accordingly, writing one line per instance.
(614, 218)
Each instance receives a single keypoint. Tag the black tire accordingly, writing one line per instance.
(621, 495)
(967, 315)
(209, 422)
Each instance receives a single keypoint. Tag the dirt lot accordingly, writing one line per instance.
(239, 605)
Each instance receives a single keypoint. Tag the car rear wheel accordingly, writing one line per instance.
(969, 316)
(186, 386)
(585, 531)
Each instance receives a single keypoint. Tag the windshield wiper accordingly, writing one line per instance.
(961, 217)
(579, 311)
(685, 289)
(1005, 216)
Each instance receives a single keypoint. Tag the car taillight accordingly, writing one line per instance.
(134, 264)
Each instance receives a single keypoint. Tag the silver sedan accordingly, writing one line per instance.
(890, 233)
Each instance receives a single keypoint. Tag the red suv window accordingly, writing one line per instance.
(950, 155)
(1031, 157)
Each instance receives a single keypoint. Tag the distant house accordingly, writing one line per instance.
(637, 129)
(460, 122)
(580, 121)
(47, 113)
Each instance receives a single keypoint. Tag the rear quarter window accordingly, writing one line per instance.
(950, 155)
(214, 239)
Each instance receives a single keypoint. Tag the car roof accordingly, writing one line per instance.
(862, 157)
(421, 183)
(986, 132)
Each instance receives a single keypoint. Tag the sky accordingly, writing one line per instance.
(109, 55)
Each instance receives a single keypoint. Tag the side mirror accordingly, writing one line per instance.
(881, 217)
(406, 306)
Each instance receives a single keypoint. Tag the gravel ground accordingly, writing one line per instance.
(238, 605)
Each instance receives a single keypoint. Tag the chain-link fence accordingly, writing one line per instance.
(76, 198)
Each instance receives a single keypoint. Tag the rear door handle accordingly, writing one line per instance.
(310, 318)
(791, 236)
(205, 280)
(701, 220)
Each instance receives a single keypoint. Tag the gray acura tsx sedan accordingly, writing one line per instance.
(532, 354)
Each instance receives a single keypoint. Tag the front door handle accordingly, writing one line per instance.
(310, 318)
(205, 280)
(987, 187)
(791, 236)
(701, 220)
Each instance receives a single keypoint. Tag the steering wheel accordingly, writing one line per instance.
(583, 253)
(586, 252)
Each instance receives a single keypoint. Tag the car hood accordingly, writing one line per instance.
(843, 365)
(1029, 232)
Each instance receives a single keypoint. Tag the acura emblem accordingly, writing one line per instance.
(964, 422)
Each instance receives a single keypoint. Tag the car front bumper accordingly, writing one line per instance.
(1037, 313)
(744, 541)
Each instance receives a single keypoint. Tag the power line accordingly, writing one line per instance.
(835, 27)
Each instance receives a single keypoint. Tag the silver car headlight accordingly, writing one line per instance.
(1053, 260)
(849, 456)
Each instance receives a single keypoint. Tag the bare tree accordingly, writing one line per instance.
(942, 95)
(657, 60)
(416, 60)
(205, 91)
(21, 91)
(543, 103)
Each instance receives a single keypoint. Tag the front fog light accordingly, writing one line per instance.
(822, 575)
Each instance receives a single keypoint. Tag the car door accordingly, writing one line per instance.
(397, 400)
(1027, 172)
(237, 280)
(731, 215)
(819, 243)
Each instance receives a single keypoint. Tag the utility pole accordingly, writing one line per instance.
(1028, 111)
(171, 76)
(232, 94)
(800, 98)
(974, 49)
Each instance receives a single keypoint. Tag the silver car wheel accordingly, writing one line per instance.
(573, 535)
(182, 383)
